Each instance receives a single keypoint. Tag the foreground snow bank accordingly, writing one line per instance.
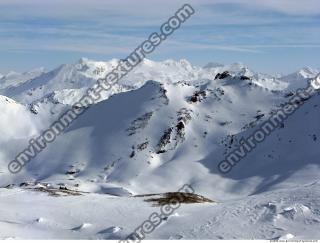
(281, 214)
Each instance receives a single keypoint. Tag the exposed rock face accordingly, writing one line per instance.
(223, 75)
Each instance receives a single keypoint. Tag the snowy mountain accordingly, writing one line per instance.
(295, 79)
(70, 80)
(165, 125)
(13, 79)
(12, 113)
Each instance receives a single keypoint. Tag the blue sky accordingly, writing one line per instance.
(270, 36)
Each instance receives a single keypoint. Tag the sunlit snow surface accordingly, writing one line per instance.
(164, 125)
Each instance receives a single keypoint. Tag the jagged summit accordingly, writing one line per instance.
(164, 125)
(37, 84)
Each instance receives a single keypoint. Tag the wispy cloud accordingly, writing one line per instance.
(114, 27)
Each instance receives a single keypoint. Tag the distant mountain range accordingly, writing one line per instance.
(165, 124)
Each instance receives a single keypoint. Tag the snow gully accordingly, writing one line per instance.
(266, 128)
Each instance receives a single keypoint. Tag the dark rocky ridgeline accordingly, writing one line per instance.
(223, 75)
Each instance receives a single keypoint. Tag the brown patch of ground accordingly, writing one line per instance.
(173, 197)
(57, 192)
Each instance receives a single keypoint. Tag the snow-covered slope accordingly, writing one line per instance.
(166, 124)
(13, 79)
(286, 214)
(159, 127)
(16, 121)
(295, 79)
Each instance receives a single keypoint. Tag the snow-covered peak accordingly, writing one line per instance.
(308, 72)
(164, 125)
(298, 79)
(237, 69)
(304, 73)
(14, 78)
(12, 74)
(76, 77)
(83, 60)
